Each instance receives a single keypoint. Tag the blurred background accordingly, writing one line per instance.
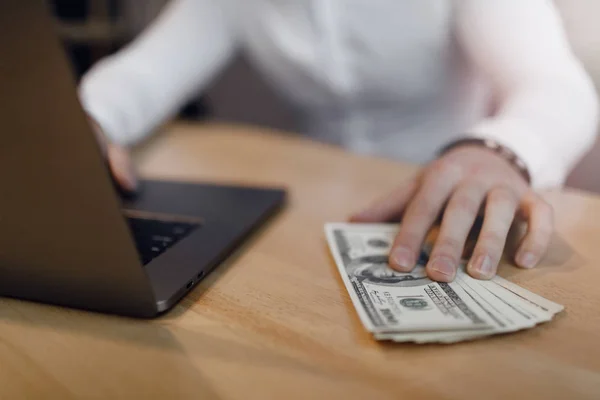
(92, 29)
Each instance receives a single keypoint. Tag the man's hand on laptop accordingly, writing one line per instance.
(119, 160)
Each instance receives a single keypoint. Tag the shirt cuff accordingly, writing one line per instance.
(547, 170)
(103, 116)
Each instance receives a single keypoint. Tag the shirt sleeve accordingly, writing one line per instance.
(546, 107)
(131, 92)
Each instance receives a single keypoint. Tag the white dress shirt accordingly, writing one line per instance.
(395, 78)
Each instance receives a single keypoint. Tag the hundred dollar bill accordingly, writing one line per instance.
(510, 312)
(507, 314)
(390, 301)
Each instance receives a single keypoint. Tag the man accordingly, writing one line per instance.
(487, 95)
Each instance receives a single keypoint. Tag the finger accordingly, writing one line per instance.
(420, 214)
(457, 222)
(499, 214)
(121, 167)
(388, 207)
(539, 231)
(99, 135)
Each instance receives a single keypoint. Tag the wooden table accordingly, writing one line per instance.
(275, 322)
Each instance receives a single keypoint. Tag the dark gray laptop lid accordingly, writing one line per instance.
(62, 236)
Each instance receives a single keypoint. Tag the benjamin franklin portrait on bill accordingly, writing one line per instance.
(374, 269)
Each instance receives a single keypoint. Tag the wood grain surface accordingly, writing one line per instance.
(275, 321)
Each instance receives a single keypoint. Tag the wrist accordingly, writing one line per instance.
(502, 151)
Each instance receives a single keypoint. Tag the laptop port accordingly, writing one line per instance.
(190, 284)
(200, 275)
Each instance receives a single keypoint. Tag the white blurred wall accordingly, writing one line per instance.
(582, 21)
(138, 13)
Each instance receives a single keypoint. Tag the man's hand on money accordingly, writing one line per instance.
(409, 307)
(460, 183)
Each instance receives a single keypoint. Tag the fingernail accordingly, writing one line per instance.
(403, 258)
(527, 260)
(134, 183)
(444, 266)
(483, 266)
(132, 179)
(359, 216)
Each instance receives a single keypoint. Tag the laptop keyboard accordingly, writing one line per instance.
(153, 237)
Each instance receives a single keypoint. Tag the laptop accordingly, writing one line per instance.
(66, 236)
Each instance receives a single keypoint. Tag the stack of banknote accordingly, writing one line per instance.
(409, 307)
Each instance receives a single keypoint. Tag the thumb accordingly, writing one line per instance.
(121, 167)
(118, 159)
(389, 207)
